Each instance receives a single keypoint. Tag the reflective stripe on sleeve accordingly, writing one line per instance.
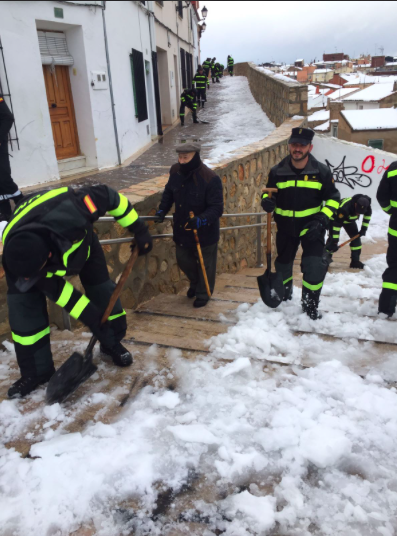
(123, 205)
(128, 220)
(79, 307)
(66, 294)
(392, 231)
(328, 212)
(332, 203)
(392, 173)
(365, 224)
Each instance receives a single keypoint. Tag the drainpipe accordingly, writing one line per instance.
(111, 87)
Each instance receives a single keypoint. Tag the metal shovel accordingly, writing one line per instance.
(327, 256)
(271, 286)
(77, 369)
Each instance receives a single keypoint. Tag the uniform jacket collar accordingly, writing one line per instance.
(285, 170)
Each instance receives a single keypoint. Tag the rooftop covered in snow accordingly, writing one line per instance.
(378, 119)
(373, 93)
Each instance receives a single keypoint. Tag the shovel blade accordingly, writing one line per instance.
(271, 288)
(68, 377)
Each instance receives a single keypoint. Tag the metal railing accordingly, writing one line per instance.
(258, 225)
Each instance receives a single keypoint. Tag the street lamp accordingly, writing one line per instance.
(204, 12)
(203, 27)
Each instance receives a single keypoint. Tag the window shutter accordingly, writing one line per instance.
(54, 49)
(183, 68)
(180, 9)
(138, 75)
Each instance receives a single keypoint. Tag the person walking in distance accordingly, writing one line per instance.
(188, 99)
(230, 65)
(387, 198)
(213, 61)
(49, 236)
(207, 67)
(200, 82)
(8, 189)
(194, 187)
(347, 215)
(303, 205)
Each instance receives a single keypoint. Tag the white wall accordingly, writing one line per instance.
(356, 168)
(355, 105)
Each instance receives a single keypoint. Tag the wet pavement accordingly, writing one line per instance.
(159, 158)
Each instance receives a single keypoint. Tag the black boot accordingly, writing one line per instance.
(288, 290)
(310, 301)
(199, 303)
(202, 104)
(355, 263)
(195, 120)
(27, 384)
(199, 104)
(191, 292)
(120, 355)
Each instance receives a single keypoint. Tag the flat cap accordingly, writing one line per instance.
(188, 147)
(304, 136)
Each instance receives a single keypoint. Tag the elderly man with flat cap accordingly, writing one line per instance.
(193, 187)
(305, 202)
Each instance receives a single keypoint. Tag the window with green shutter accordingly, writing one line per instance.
(375, 144)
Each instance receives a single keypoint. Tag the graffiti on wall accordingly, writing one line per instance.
(352, 177)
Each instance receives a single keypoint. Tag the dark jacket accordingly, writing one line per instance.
(200, 192)
(6, 120)
(346, 214)
(200, 81)
(301, 196)
(387, 195)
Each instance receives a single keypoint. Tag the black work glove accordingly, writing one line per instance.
(159, 216)
(142, 237)
(195, 222)
(332, 248)
(316, 227)
(268, 204)
(105, 334)
(363, 231)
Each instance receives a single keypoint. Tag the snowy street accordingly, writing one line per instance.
(228, 441)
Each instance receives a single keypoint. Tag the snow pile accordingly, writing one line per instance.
(240, 119)
(278, 76)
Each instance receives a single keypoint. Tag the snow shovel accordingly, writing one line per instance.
(200, 254)
(328, 256)
(271, 286)
(77, 369)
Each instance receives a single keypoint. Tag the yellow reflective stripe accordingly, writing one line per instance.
(33, 204)
(59, 273)
(392, 231)
(299, 184)
(386, 209)
(392, 173)
(392, 286)
(355, 248)
(123, 205)
(335, 236)
(71, 250)
(365, 224)
(312, 287)
(353, 217)
(327, 211)
(332, 203)
(30, 339)
(264, 196)
(393, 203)
(344, 202)
(66, 293)
(89, 252)
(129, 219)
(287, 280)
(337, 228)
(297, 213)
(113, 317)
(79, 307)
(302, 233)
(369, 217)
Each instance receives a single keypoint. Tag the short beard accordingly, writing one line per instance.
(305, 155)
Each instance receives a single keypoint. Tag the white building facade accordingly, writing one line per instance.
(81, 78)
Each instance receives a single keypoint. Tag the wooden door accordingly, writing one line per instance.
(60, 104)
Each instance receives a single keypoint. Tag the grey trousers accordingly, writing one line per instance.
(188, 261)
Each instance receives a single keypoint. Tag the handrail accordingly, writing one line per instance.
(151, 218)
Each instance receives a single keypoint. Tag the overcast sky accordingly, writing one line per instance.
(286, 31)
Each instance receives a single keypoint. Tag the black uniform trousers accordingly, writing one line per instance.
(189, 262)
(388, 296)
(313, 265)
(230, 69)
(201, 95)
(352, 230)
(7, 186)
(29, 321)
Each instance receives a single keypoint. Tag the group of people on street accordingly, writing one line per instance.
(196, 96)
(50, 235)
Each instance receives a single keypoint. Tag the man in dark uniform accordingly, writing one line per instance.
(305, 202)
(50, 235)
(213, 61)
(194, 187)
(217, 72)
(200, 82)
(230, 65)
(221, 69)
(188, 99)
(348, 213)
(387, 198)
(207, 67)
(8, 188)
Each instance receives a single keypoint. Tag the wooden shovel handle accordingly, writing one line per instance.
(348, 241)
(120, 284)
(269, 221)
(200, 254)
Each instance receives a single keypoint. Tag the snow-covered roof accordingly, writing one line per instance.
(331, 86)
(317, 71)
(323, 128)
(391, 63)
(278, 76)
(299, 60)
(318, 101)
(378, 119)
(321, 115)
(372, 93)
(340, 93)
(361, 78)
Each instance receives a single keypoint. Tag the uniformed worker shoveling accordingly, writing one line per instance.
(305, 202)
(51, 235)
(193, 187)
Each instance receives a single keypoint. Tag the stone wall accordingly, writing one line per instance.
(279, 99)
(244, 173)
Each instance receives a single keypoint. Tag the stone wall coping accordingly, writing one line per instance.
(289, 85)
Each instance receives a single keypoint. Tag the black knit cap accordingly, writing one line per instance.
(25, 254)
(362, 204)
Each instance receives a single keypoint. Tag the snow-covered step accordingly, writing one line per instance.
(77, 171)
(71, 163)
